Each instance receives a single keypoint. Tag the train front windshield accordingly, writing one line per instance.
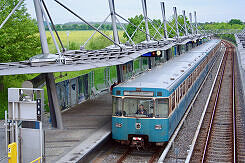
(138, 107)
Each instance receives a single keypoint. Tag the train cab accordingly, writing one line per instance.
(139, 116)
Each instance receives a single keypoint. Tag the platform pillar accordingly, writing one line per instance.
(192, 31)
(119, 77)
(54, 107)
(178, 49)
(55, 112)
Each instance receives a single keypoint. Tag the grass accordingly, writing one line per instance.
(76, 38)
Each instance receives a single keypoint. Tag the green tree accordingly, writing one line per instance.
(19, 40)
(141, 36)
(18, 37)
(235, 21)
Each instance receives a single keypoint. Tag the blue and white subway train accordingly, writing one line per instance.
(150, 107)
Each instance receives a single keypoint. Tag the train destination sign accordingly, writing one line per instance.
(132, 93)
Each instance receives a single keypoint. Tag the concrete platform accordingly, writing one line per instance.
(82, 123)
(241, 62)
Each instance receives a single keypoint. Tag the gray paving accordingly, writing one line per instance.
(80, 123)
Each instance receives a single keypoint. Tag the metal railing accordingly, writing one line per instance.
(38, 160)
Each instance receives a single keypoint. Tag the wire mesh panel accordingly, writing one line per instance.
(63, 93)
(74, 91)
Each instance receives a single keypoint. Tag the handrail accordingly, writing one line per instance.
(38, 160)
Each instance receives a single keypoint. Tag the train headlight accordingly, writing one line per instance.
(118, 125)
(158, 127)
(159, 53)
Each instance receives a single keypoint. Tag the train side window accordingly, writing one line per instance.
(161, 108)
(117, 106)
(183, 88)
(181, 92)
(177, 96)
(189, 81)
(173, 100)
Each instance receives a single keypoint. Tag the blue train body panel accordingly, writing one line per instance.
(147, 128)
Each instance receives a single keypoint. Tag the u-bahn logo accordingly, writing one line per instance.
(138, 126)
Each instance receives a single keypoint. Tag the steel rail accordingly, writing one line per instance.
(234, 109)
(203, 114)
(214, 110)
(124, 156)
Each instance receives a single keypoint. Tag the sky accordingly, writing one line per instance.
(97, 10)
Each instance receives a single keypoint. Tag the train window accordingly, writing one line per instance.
(173, 101)
(183, 88)
(133, 107)
(161, 108)
(189, 81)
(117, 106)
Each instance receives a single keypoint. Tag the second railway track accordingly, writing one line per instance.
(216, 141)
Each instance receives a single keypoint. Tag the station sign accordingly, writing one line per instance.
(157, 53)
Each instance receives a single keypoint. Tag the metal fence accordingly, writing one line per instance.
(74, 91)
(3, 152)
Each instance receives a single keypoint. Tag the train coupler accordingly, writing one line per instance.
(138, 142)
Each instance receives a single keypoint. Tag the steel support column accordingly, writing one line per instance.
(55, 112)
(192, 31)
(185, 26)
(41, 27)
(195, 17)
(164, 20)
(115, 35)
(146, 27)
(119, 78)
(176, 22)
(146, 20)
(113, 20)
(178, 49)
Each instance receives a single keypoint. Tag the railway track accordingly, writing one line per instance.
(132, 154)
(179, 144)
(216, 141)
(115, 153)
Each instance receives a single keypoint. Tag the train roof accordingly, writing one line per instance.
(168, 74)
